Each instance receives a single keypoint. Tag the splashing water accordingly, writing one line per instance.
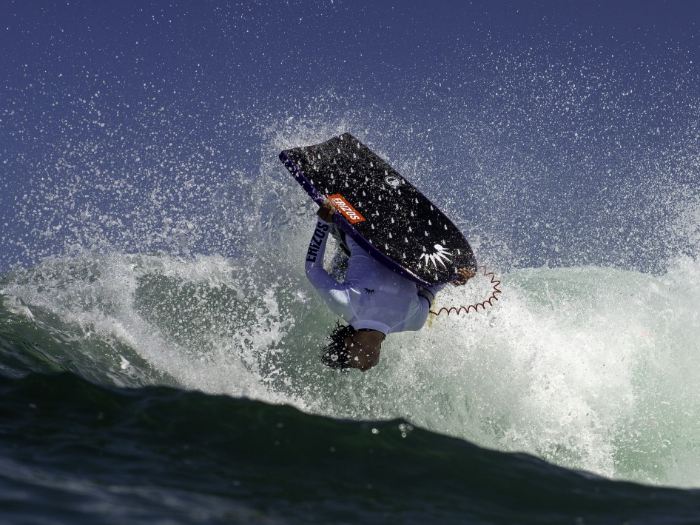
(155, 254)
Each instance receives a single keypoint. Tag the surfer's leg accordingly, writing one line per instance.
(353, 247)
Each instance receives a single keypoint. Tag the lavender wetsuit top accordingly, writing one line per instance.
(372, 295)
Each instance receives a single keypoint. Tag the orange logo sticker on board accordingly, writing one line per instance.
(344, 207)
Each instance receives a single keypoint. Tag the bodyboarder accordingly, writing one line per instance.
(374, 300)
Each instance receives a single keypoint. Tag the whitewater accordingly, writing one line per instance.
(589, 367)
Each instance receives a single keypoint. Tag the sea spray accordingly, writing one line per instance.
(590, 368)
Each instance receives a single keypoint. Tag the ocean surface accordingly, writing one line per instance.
(159, 342)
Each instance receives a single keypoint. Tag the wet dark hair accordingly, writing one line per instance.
(335, 354)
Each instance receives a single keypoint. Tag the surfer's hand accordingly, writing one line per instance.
(464, 275)
(326, 211)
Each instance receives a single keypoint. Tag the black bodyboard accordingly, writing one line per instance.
(381, 210)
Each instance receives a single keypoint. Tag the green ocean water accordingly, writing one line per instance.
(146, 388)
(74, 452)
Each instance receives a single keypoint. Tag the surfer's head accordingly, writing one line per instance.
(350, 348)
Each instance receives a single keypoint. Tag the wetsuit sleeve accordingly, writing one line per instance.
(315, 272)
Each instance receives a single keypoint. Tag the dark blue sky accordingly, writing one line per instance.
(103, 103)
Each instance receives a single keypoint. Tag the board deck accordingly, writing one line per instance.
(383, 212)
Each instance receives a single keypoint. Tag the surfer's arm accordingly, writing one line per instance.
(333, 293)
(326, 211)
(315, 271)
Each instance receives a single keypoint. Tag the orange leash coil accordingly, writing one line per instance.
(475, 307)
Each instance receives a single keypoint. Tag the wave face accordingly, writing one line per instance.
(580, 366)
(79, 451)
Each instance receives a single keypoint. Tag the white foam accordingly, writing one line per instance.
(590, 368)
